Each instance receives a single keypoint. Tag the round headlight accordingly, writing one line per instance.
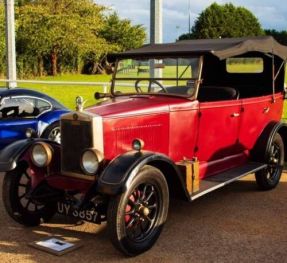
(90, 161)
(41, 154)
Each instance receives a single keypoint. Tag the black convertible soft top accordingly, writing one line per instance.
(221, 48)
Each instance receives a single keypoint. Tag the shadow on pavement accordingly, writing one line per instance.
(235, 224)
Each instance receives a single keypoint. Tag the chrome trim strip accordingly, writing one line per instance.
(98, 134)
(82, 116)
(97, 126)
(97, 137)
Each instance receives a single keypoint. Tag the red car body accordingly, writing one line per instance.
(183, 125)
(188, 128)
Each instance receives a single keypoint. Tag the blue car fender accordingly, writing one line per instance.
(48, 118)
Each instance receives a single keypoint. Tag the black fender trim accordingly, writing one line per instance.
(118, 175)
(10, 154)
(264, 141)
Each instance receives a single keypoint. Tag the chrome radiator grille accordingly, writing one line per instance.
(76, 136)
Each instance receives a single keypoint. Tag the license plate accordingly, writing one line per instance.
(69, 210)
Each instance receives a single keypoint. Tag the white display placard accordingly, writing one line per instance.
(55, 245)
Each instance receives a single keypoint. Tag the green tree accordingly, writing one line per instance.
(22, 2)
(225, 21)
(186, 36)
(122, 33)
(65, 35)
(280, 36)
(57, 31)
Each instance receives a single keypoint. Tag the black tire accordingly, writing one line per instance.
(147, 200)
(269, 177)
(53, 132)
(18, 205)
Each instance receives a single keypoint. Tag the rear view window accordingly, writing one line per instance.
(244, 65)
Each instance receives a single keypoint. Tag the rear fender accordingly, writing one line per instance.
(118, 175)
(259, 152)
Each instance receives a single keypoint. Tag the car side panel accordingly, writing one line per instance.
(119, 133)
(217, 140)
(183, 131)
(257, 113)
(14, 129)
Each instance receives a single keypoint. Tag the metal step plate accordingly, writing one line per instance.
(217, 181)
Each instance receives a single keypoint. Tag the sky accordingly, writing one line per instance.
(272, 14)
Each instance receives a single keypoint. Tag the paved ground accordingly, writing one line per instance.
(234, 224)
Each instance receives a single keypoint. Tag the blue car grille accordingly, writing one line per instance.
(76, 136)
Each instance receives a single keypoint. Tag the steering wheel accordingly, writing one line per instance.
(139, 90)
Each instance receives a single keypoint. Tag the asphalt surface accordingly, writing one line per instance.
(237, 223)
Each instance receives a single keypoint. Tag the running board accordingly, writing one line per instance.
(217, 181)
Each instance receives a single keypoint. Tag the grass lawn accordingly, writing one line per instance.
(66, 94)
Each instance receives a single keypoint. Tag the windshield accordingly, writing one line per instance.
(153, 76)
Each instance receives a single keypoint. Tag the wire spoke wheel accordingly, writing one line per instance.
(55, 135)
(141, 213)
(53, 132)
(270, 176)
(136, 217)
(24, 187)
(17, 199)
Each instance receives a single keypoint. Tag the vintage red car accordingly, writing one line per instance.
(181, 120)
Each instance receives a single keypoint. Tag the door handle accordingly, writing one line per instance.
(266, 110)
(235, 114)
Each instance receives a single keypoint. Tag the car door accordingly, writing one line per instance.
(257, 113)
(16, 115)
(217, 146)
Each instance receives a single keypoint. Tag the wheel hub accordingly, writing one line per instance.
(55, 135)
(273, 160)
(144, 210)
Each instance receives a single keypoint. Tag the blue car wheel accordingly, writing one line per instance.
(53, 132)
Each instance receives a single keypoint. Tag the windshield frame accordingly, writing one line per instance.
(197, 81)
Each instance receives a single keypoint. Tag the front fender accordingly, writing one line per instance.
(11, 153)
(118, 175)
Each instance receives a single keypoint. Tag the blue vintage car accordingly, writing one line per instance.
(21, 109)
